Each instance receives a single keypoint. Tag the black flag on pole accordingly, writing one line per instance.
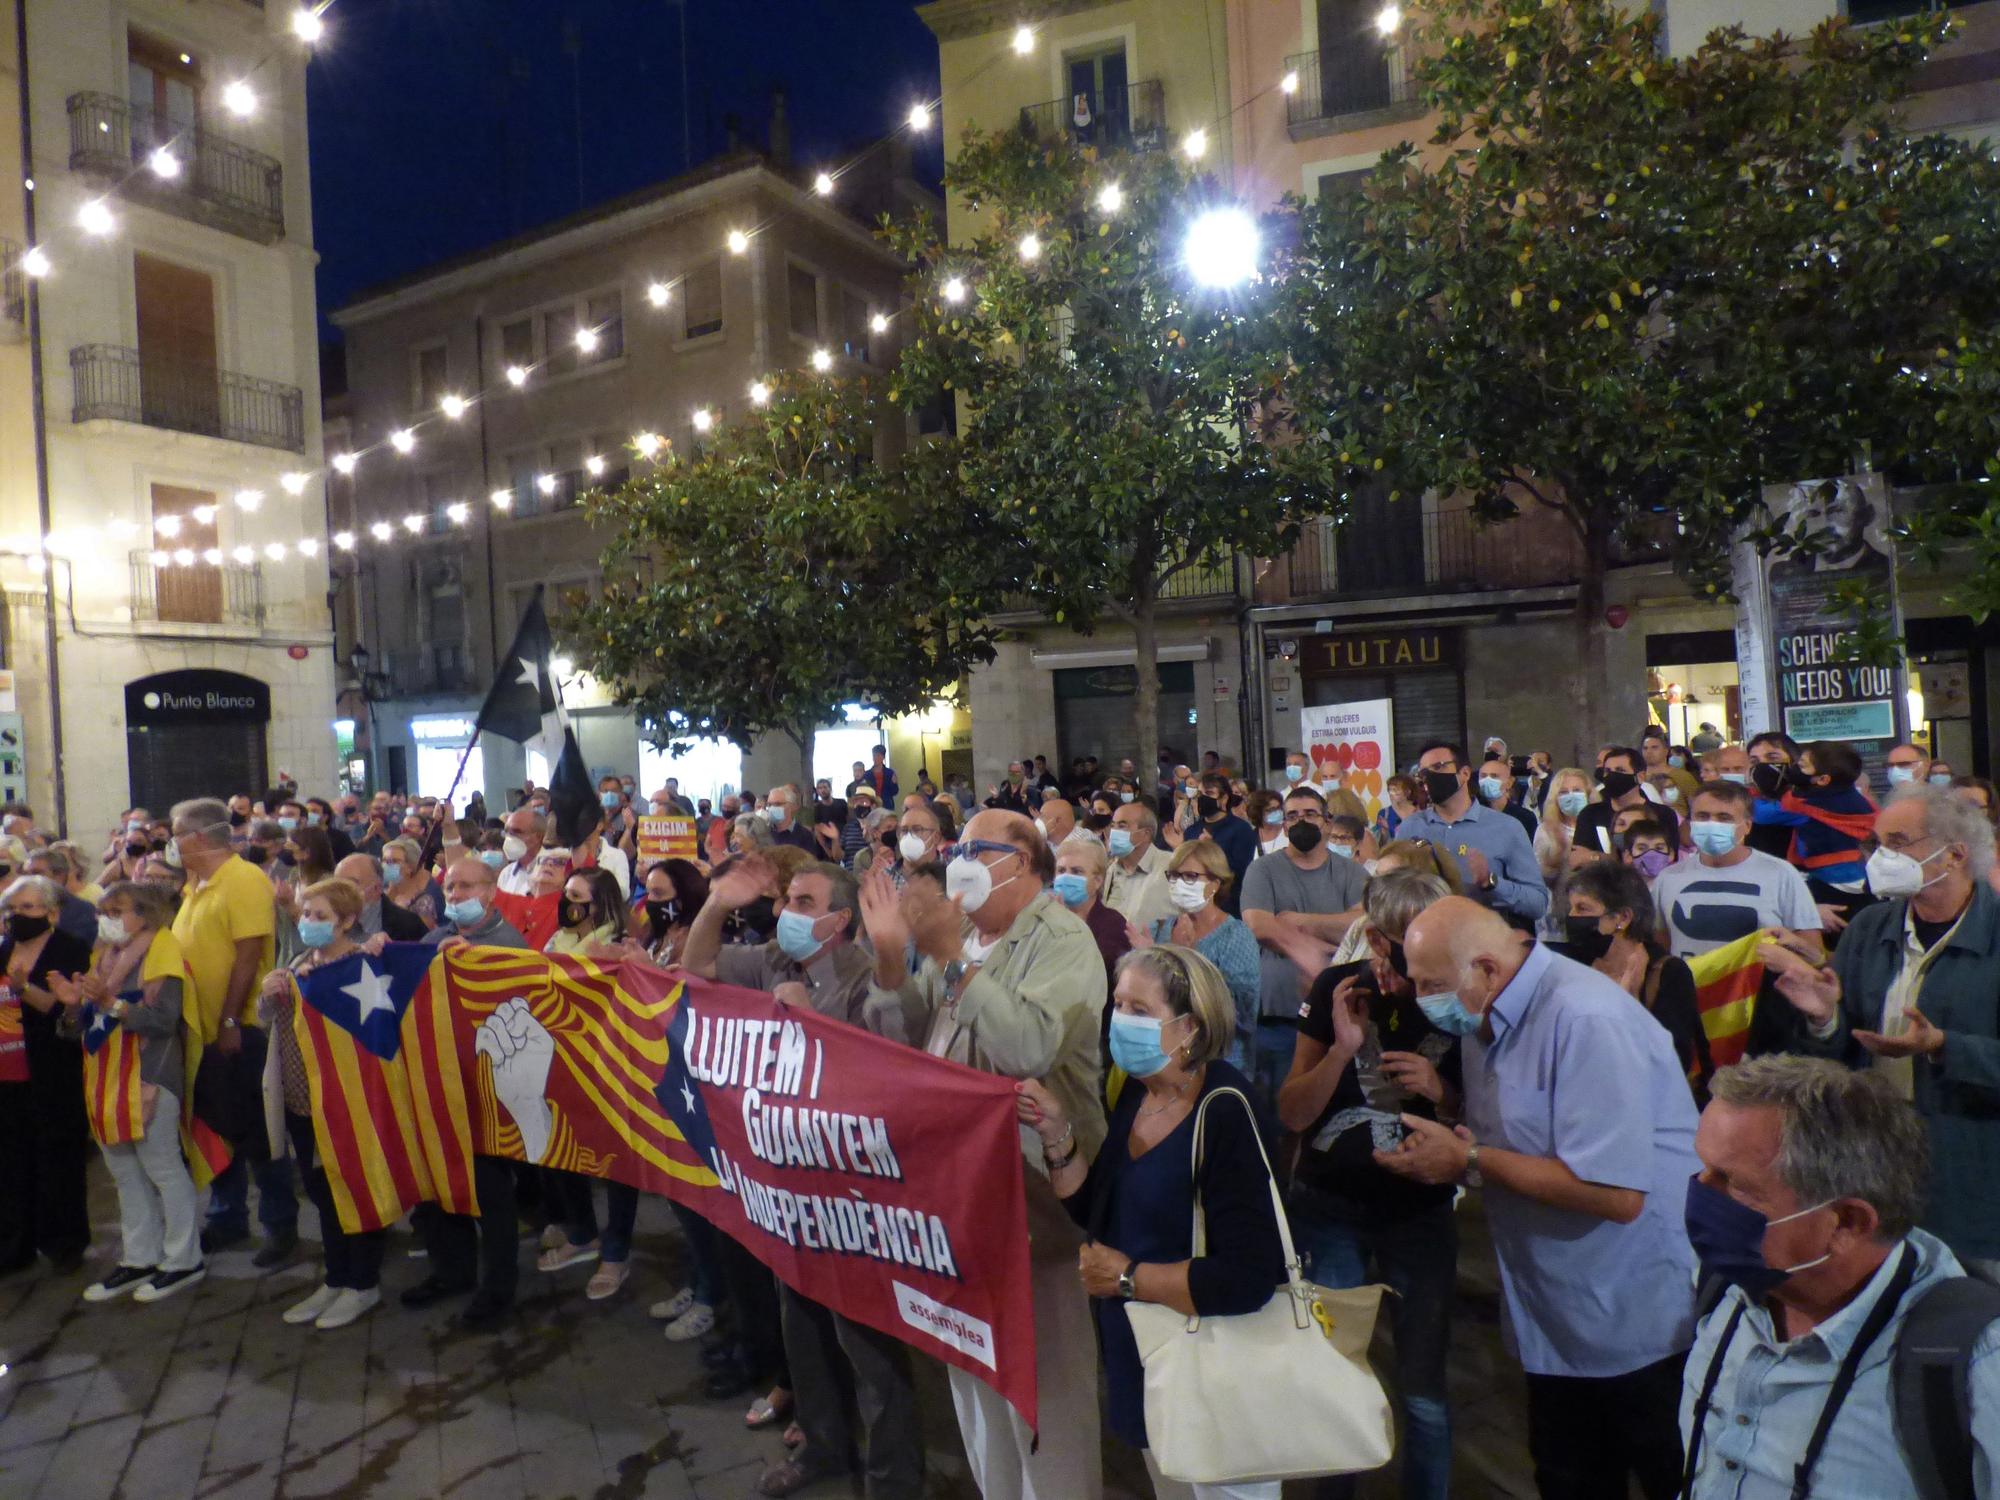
(525, 704)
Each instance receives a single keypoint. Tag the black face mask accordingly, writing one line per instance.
(1797, 778)
(1097, 822)
(255, 854)
(1441, 786)
(1587, 941)
(135, 851)
(1768, 779)
(575, 913)
(1399, 961)
(760, 916)
(1304, 837)
(284, 859)
(25, 929)
(661, 915)
(158, 845)
(1207, 807)
(237, 819)
(1619, 784)
(889, 839)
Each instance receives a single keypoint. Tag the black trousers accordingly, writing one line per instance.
(485, 1249)
(753, 1291)
(1587, 1435)
(44, 1152)
(352, 1260)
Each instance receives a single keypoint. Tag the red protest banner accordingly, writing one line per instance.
(872, 1177)
(666, 838)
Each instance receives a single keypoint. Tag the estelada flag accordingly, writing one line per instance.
(13, 1037)
(111, 1096)
(388, 1106)
(1726, 981)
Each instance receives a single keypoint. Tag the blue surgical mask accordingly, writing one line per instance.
(1135, 1044)
(1902, 775)
(1939, 778)
(1119, 843)
(315, 934)
(795, 936)
(1124, 796)
(1741, 778)
(1295, 773)
(1275, 817)
(288, 824)
(1345, 851)
(392, 872)
(1071, 889)
(1572, 804)
(493, 859)
(466, 913)
(1713, 838)
(609, 799)
(312, 819)
(1728, 1239)
(775, 813)
(1677, 761)
(1447, 1012)
(1489, 788)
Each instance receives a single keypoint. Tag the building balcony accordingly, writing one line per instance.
(185, 588)
(1206, 586)
(1349, 90)
(1135, 120)
(13, 286)
(219, 183)
(119, 385)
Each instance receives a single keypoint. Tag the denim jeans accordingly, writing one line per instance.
(1418, 1258)
(1275, 1044)
(704, 1271)
(229, 1196)
(579, 1211)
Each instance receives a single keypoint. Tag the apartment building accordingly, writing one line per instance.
(526, 374)
(161, 518)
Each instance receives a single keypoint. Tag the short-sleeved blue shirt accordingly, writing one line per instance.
(1580, 1071)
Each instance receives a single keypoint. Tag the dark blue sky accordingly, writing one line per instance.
(441, 125)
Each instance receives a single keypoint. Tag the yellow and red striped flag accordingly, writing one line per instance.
(1726, 981)
(111, 1093)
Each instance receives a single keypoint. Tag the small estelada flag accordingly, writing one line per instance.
(112, 1098)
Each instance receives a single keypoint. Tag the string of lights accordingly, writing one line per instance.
(1222, 250)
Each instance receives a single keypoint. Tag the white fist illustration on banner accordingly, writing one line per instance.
(520, 1050)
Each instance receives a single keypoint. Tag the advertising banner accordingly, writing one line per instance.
(1354, 743)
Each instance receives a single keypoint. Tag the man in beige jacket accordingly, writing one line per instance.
(1022, 994)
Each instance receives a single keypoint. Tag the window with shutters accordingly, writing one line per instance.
(545, 341)
(164, 83)
(701, 301)
(802, 295)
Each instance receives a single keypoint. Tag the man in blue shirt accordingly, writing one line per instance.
(1580, 1128)
(1812, 1179)
(1496, 859)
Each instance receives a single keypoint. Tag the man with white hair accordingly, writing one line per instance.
(1580, 1127)
(1910, 991)
(524, 833)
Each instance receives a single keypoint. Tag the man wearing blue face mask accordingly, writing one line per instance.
(1580, 1128)
(1730, 889)
(1496, 790)
(1817, 1287)
(1135, 884)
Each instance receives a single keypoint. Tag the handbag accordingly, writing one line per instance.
(1281, 1393)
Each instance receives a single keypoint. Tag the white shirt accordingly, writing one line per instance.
(519, 879)
(611, 857)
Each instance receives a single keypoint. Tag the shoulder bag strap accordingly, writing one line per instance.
(1301, 1294)
(1871, 1329)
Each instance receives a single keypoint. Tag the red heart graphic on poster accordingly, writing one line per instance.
(1367, 754)
(1323, 756)
(1344, 753)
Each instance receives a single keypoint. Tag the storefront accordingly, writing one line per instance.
(1691, 680)
(1420, 670)
(195, 733)
(441, 742)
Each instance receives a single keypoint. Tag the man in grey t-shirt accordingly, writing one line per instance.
(1299, 903)
(1729, 890)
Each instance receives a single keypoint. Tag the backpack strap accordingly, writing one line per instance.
(1930, 1387)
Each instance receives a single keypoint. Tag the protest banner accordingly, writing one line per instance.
(1355, 743)
(873, 1178)
(666, 838)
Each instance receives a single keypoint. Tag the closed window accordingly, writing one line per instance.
(433, 376)
(802, 291)
(854, 331)
(606, 314)
(701, 301)
(559, 338)
(517, 342)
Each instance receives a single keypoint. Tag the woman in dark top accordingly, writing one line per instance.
(44, 1136)
(1172, 1022)
(1615, 928)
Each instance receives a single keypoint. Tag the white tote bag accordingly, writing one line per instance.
(1281, 1393)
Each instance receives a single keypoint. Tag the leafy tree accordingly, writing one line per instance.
(1116, 411)
(779, 572)
(1634, 288)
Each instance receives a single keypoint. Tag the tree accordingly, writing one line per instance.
(778, 572)
(1117, 410)
(1636, 288)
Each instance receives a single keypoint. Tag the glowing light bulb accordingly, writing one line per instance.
(647, 444)
(1222, 247)
(204, 515)
(164, 163)
(1290, 82)
(453, 407)
(953, 290)
(703, 419)
(760, 393)
(295, 483)
(517, 375)
(343, 463)
(95, 218)
(168, 525)
(823, 184)
(413, 524)
(36, 263)
(594, 465)
(308, 547)
(546, 483)
(243, 555)
(249, 499)
(307, 26)
(586, 339)
(275, 551)
(920, 117)
(381, 531)
(1195, 144)
(344, 540)
(822, 361)
(459, 512)
(502, 499)
(185, 555)
(1388, 18)
(1031, 246)
(403, 440)
(1111, 198)
(658, 293)
(161, 559)
(239, 99)
(879, 323)
(213, 557)
(738, 242)
(1024, 40)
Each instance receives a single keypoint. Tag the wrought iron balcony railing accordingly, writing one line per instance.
(182, 587)
(1356, 81)
(127, 386)
(1134, 119)
(215, 181)
(13, 283)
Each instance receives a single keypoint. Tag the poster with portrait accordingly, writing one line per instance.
(1791, 630)
(1353, 744)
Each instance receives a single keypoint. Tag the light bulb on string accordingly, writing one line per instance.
(879, 323)
(343, 463)
(248, 500)
(760, 393)
(160, 559)
(307, 26)
(295, 483)
(738, 242)
(658, 293)
(453, 407)
(1222, 247)
(239, 99)
(920, 118)
(1024, 40)
(594, 465)
(413, 524)
(35, 263)
(164, 163)
(1290, 82)
(344, 540)
(275, 551)
(459, 512)
(502, 499)
(586, 340)
(213, 557)
(823, 184)
(308, 547)
(403, 440)
(381, 531)
(1195, 144)
(204, 515)
(167, 525)
(647, 444)
(243, 555)
(185, 556)
(822, 361)
(517, 375)
(1388, 18)
(953, 290)
(546, 483)
(1111, 198)
(1031, 246)
(703, 419)
(95, 218)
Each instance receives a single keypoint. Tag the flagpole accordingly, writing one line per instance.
(434, 840)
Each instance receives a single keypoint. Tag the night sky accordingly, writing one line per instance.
(441, 125)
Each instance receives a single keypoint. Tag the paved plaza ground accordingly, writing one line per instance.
(209, 1395)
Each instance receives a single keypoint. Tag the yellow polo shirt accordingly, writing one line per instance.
(234, 903)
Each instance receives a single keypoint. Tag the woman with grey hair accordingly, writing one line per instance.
(43, 1131)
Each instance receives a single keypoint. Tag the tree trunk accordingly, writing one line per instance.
(1146, 692)
(805, 746)
(1587, 681)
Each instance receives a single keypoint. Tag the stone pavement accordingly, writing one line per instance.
(209, 1395)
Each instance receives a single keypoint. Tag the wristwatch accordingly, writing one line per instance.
(1126, 1288)
(229, 1023)
(1470, 1177)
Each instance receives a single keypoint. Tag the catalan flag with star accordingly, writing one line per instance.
(111, 1093)
(388, 1115)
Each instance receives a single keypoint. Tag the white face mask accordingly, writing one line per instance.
(1041, 828)
(515, 848)
(970, 882)
(910, 846)
(1188, 895)
(1891, 873)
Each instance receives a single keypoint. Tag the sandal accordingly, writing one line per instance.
(768, 1411)
(795, 1436)
(566, 1254)
(789, 1477)
(606, 1280)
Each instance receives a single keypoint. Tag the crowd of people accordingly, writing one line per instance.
(1480, 984)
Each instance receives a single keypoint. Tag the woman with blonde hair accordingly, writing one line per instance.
(1569, 795)
(1200, 869)
(1172, 1025)
(409, 884)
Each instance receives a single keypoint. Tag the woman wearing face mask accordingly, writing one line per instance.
(1172, 1023)
(916, 837)
(1402, 802)
(1197, 875)
(1079, 885)
(42, 1124)
(1265, 812)
(329, 931)
(406, 882)
(1569, 795)
(129, 1013)
(1616, 929)
(675, 891)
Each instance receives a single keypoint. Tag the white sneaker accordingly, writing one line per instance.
(313, 1306)
(347, 1306)
(673, 1306)
(691, 1324)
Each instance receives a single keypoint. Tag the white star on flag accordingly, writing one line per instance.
(687, 1093)
(370, 992)
(531, 675)
(100, 1021)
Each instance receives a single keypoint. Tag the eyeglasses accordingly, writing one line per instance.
(1189, 877)
(1304, 814)
(977, 847)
